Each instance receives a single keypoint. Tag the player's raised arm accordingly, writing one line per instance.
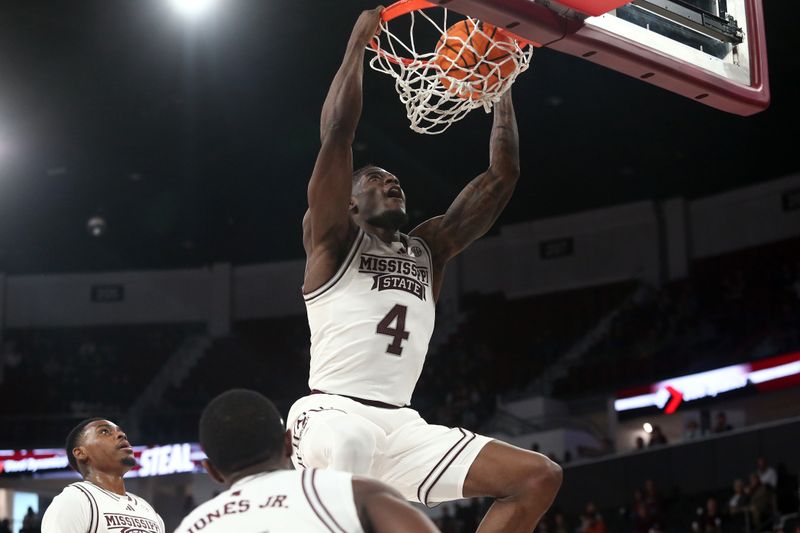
(480, 203)
(382, 509)
(327, 224)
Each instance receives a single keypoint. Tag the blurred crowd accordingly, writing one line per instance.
(766, 500)
(31, 523)
(733, 308)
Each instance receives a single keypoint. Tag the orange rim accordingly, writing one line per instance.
(404, 7)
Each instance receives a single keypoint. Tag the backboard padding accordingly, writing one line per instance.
(737, 83)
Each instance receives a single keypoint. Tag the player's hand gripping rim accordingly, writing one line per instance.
(367, 26)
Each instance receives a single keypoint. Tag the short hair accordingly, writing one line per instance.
(359, 172)
(74, 440)
(240, 428)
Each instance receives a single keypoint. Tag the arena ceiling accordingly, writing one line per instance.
(194, 142)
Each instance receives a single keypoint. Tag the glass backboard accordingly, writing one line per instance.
(713, 51)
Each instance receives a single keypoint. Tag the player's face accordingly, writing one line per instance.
(107, 446)
(380, 199)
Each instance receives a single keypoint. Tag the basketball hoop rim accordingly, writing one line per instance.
(404, 7)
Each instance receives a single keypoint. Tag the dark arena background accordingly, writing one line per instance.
(634, 314)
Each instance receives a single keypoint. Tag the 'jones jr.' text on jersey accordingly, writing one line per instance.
(236, 507)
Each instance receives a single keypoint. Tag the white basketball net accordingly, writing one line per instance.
(436, 97)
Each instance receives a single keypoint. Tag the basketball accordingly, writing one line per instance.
(478, 55)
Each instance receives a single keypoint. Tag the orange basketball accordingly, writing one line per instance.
(493, 62)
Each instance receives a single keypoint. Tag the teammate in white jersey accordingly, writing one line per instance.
(99, 450)
(248, 450)
(370, 295)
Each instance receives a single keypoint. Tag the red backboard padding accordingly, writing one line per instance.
(593, 7)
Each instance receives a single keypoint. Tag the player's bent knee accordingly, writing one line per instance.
(543, 476)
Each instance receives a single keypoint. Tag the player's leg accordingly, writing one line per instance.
(333, 438)
(433, 464)
(523, 484)
(427, 463)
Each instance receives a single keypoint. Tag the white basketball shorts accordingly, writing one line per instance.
(426, 463)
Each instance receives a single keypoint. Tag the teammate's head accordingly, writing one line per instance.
(377, 198)
(101, 445)
(241, 429)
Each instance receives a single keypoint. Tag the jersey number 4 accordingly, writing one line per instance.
(398, 333)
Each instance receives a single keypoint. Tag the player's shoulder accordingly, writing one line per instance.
(72, 499)
(418, 246)
(69, 495)
(78, 492)
(70, 511)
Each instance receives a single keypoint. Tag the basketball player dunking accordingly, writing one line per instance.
(370, 293)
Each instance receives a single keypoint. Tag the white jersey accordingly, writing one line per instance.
(84, 507)
(282, 501)
(371, 323)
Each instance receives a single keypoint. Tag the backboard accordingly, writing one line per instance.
(713, 51)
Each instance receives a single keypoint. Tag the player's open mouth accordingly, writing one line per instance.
(125, 446)
(395, 192)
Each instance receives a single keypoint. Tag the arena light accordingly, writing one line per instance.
(669, 394)
(776, 372)
(648, 427)
(192, 8)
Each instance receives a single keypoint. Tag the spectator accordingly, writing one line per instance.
(708, 521)
(30, 522)
(560, 523)
(722, 424)
(657, 437)
(766, 473)
(652, 500)
(692, 430)
(740, 499)
(5, 527)
(642, 521)
(762, 503)
(591, 520)
(639, 443)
